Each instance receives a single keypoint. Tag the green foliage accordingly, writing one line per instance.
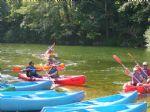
(89, 22)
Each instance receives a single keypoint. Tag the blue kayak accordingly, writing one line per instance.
(31, 86)
(6, 88)
(20, 93)
(36, 100)
(122, 98)
(135, 107)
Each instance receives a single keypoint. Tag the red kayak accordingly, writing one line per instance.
(64, 80)
(144, 88)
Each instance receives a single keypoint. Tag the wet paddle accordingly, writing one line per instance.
(118, 60)
(128, 72)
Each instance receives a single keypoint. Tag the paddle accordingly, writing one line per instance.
(14, 69)
(51, 47)
(38, 68)
(120, 62)
(137, 64)
(19, 69)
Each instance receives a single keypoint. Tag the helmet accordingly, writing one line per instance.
(145, 63)
(135, 69)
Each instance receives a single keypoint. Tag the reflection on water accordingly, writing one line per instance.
(8, 78)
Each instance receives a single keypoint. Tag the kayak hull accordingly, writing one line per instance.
(71, 80)
(30, 86)
(133, 107)
(122, 98)
(127, 87)
(37, 100)
(7, 89)
(64, 80)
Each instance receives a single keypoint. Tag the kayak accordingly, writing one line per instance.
(132, 107)
(25, 78)
(127, 87)
(7, 89)
(64, 80)
(34, 101)
(4, 87)
(19, 93)
(122, 98)
(28, 86)
(71, 80)
(44, 57)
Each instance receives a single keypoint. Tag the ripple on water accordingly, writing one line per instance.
(8, 78)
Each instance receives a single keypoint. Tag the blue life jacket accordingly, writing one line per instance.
(52, 71)
(144, 73)
(31, 69)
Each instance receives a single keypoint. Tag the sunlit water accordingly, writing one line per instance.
(104, 75)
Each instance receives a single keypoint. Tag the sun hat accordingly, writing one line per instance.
(145, 63)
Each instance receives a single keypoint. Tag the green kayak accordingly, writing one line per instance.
(7, 89)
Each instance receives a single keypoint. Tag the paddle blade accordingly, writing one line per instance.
(61, 67)
(117, 59)
(16, 69)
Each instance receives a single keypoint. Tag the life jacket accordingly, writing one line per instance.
(31, 70)
(146, 71)
(53, 72)
(137, 78)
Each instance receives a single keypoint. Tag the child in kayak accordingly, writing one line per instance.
(53, 72)
(31, 71)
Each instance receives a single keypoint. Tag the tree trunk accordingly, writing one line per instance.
(66, 11)
(106, 18)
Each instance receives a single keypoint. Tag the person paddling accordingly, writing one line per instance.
(145, 71)
(145, 68)
(137, 78)
(31, 71)
(53, 72)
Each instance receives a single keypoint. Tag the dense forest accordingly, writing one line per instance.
(75, 22)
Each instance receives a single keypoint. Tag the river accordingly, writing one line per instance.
(104, 75)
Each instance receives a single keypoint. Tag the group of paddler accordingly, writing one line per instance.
(139, 75)
(31, 70)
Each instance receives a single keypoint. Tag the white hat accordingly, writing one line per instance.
(135, 69)
(145, 63)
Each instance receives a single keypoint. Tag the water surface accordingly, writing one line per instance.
(104, 75)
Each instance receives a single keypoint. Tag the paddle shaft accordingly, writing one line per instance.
(130, 73)
(118, 60)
